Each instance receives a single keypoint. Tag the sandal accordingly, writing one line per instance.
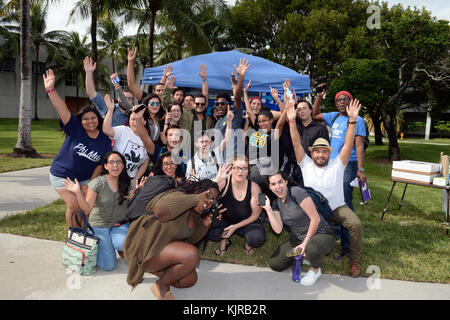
(249, 252)
(219, 252)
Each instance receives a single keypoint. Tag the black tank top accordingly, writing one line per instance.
(236, 210)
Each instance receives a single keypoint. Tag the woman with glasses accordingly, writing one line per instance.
(239, 196)
(105, 205)
(163, 243)
(172, 118)
(153, 102)
(166, 165)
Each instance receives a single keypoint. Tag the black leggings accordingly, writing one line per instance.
(254, 233)
(316, 250)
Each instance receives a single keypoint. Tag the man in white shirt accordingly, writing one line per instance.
(326, 176)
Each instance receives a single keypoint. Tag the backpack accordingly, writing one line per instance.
(320, 202)
(366, 138)
(154, 186)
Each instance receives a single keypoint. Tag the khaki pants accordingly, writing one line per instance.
(345, 217)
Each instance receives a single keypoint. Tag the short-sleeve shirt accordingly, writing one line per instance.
(338, 131)
(206, 169)
(328, 180)
(131, 147)
(294, 217)
(79, 154)
(106, 211)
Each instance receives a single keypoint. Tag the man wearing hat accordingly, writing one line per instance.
(355, 167)
(326, 175)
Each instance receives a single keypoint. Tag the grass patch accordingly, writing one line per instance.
(408, 244)
(46, 137)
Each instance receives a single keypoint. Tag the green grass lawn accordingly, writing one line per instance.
(46, 138)
(408, 244)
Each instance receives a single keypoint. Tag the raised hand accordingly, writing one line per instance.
(109, 103)
(170, 82)
(49, 79)
(353, 109)
(72, 186)
(290, 110)
(243, 67)
(273, 93)
(167, 70)
(89, 65)
(203, 72)
(247, 86)
(230, 114)
(287, 84)
(132, 54)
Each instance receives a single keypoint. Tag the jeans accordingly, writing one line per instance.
(349, 175)
(253, 233)
(111, 239)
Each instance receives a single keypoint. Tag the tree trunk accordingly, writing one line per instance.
(94, 14)
(35, 85)
(377, 128)
(390, 123)
(23, 146)
(78, 100)
(151, 34)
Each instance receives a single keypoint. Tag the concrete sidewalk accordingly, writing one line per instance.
(32, 269)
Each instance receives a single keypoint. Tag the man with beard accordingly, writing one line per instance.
(326, 176)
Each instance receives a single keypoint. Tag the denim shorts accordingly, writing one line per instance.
(57, 182)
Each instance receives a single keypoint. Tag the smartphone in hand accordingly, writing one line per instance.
(141, 107)
(262, 199)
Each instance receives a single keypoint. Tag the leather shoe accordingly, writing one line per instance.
(355, 269)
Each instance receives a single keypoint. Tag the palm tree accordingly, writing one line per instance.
(110, 32)
(39, 37)
(23, 146)
(9, 13)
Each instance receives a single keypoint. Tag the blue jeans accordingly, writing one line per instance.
(349, 175)
(111, 239)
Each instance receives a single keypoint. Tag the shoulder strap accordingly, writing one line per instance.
(334, 118)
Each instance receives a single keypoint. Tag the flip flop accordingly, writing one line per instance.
(249, 252)
(219, 252)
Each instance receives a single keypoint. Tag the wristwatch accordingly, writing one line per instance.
(361, 169)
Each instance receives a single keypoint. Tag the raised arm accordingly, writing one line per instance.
(280, 124)
(107, 122)
(89, 68)
(167, 72)
(204, 75)
(240, 70)
(251, 114)
(131, 79)
(57, 102)
(316, 114)
(228, 130)
(352, 112)
(295, 135)
(276, 98)
(123, 99)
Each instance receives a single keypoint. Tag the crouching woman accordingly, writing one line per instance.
(311, 234)
(162, 243)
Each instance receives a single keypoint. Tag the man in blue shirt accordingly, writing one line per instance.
(338, 121)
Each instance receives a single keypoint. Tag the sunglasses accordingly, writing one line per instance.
(198, 104)
(154, 104)
(343, 100)
(221, 103)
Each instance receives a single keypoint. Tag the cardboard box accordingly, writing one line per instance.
(415, 170)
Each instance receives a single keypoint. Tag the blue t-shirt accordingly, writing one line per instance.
(183, 156)
(118, 118)
(339, 129)
(79, 154)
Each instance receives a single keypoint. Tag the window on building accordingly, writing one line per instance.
(71, 80)
(38, 68)
(8, 65)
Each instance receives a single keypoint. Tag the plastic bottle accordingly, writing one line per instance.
(297, 269)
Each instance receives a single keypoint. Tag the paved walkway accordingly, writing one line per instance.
(32, 269)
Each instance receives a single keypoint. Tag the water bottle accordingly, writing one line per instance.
(297, 269)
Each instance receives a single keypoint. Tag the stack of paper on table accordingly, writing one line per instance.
(415, 171)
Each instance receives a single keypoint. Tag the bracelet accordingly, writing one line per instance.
(51, 90)
(292, 121)
(204, 80)
(352, 122)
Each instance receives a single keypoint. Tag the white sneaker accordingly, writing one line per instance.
(310, 278)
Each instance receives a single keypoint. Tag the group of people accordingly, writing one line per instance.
(253, 167)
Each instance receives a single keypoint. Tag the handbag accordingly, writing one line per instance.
(81, 248)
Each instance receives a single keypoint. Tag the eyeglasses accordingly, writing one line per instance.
(239, 168)
(175, 111)
(198, 104)
(154, 104)
(221, 103)
(113, 162)
(263, 120)
(343, 100)
(169, 164)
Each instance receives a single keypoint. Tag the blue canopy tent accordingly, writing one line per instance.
(263, 73)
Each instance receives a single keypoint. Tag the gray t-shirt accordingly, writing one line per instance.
(106, 211)
(295, 218)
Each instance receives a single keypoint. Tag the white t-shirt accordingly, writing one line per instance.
(328, 180)
(131, 147)
(206, 169)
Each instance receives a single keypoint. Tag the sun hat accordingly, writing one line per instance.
(320, 143)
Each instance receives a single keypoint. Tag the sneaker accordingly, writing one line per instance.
(306, 261)
(355, 269)
(310, 278)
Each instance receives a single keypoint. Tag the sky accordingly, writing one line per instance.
(58, 14)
